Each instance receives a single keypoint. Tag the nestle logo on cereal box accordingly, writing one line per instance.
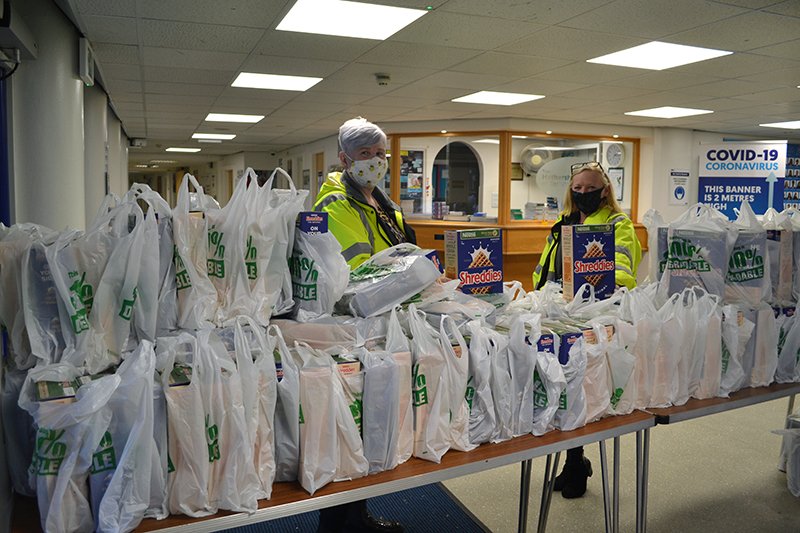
(313, 222)
(475, 258)
(588, 257)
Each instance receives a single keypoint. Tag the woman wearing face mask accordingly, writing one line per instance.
(590, 199)
(364, 221)
(360, 215)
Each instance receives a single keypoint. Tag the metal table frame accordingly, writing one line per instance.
(289, 498)
(699, 408)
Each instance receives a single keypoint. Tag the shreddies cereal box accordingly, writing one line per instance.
(475, 257)
(588, 257)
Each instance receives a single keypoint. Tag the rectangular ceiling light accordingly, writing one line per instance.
(668, 112)
(187, 150)
(165, 161)
(497, 98)
(488, 141)
(219, 136)
(227, 117)
(656, 55)
(791, 125)
(348, 19)
(277, 82)
(210, 141)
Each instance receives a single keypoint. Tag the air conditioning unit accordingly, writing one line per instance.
(15, 35)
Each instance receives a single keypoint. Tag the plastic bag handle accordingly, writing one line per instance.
(287, 176)
(183, 199)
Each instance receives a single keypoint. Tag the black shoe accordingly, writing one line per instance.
(366, 523)
(572, 479)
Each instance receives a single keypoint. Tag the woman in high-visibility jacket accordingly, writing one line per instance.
(590, 199)
(360, 215)
(364, 221)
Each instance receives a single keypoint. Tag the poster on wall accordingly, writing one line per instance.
(617, 177)
(730, 173)
(678, 186)
(411, 168)
(791, 185)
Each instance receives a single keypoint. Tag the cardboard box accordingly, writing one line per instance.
(475, 257)
(588, 257)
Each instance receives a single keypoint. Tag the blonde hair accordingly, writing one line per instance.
(610, 200)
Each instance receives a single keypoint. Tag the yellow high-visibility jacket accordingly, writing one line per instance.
(628, 250)
(354, 222)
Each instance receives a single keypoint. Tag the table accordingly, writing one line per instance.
(289, 498)
(697, 408)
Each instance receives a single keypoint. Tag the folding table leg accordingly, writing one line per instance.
(615, 493)
(524, 492)
(645, 476)
(789, 409)
(638, 482)
(606, 495)
(550, 474)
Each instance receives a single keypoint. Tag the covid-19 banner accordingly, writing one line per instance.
(730, 173)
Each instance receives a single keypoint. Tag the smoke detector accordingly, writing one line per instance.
(382, 79)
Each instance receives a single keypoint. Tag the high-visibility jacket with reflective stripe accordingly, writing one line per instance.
(352, 221)
(626, 245)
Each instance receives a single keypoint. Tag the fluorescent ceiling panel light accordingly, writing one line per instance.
(210, 141)
(497, 98)
(488, 141)
(220, 136)
(791, 125)
(165, 161)
(519, 136)
(668, 112)
(142, 166)
(227, 117)
(348, 19)
(278, 82)
(656, 55)
(186, 150)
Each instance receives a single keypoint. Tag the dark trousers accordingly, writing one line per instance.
(334, 517)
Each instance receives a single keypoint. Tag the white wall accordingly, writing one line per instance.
(95, 132)
(117, 156)
(329, 146)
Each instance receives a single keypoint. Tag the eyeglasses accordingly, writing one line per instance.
(592, 165)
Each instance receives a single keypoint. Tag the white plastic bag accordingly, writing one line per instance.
(501, 385)
(191, 440)
(122, 464)
(197, 297)
(319, 273)
(626, 336)
(699, 245)
(710, 345)
(788, 349)
(457, 374)
(657, 244)
(397, 345)
(779, 253)
(668, 355)
(430, 397)
(571, 413)
(287, 410)
(549, 383)
(66, 441)
(522, 355)
(40, 306)
(482, 416)
(381, 429)
(766, 349)
(792, 448)
(736, 332)
(597, 385)
(748, 279)
(319, 451)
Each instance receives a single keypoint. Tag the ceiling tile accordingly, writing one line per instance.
(653, 19)
(183, 88)
(741, 33)
(191, 36)
(121, 72)
(464, 81)
(589, 72)
(607, 92)
(117, 8)
(128, 97)
(119, 30)
(311, 46)
(358, 78)
(192, 59)
(569, 43)
(188, 75)
(770, 97)
(790, 8)
(122, 86)
(290, 66)
(788, 50)
(724, 88)
(316, 96)
(539, 86)
(464, 31)
(187, 99)
(541, 11)
(416, 55)
(734, 65)
(427, 91)
(502, 63)
(106, 53)
(665, 80)
(243, 13)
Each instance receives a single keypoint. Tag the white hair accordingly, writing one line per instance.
(357, 133)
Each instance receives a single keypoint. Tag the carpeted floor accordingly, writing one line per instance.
(420, 510)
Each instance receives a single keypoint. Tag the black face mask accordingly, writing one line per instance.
(587, 202)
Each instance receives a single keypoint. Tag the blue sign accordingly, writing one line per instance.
(680, 192)
(726, 193)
